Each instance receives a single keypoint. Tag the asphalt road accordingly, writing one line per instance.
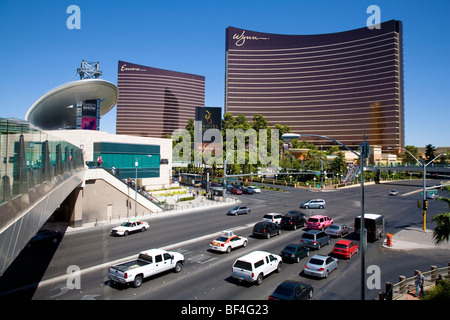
(43, 274)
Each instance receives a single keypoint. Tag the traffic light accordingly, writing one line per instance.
(425, 205)
(419, 204)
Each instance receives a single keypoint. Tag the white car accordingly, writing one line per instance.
(255, 188)
(129, 227)
(253, 267)
(228, 241)
(273, 217)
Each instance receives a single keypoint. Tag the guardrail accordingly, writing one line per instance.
(405, 285)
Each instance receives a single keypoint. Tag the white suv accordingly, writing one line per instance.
(273, 217)
(253, 267)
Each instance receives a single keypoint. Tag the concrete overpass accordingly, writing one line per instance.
(41, 174)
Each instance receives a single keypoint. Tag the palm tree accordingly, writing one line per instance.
(442, 231)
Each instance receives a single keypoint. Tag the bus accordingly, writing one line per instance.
(191, 179)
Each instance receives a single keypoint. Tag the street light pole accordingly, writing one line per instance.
(424, 166)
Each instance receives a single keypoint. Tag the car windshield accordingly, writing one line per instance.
(283, 290)
(243, 265)
(126, 224)
(290, 248)
(333, 227)
(222, 239)
(316, 261)
(308, 236)
(235, 208)
(268, 216)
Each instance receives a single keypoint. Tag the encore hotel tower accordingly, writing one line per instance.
(344, 85)
(155, 102)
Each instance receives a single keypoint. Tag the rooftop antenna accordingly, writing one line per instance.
(89, 70)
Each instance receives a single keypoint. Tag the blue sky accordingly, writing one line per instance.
(38, 52)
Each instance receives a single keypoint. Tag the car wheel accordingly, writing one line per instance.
(321, 207)
(310, 294)
(297, 259)
(178, 267)
(259, 279)
(306, 207)
(295, 227)
(279, 231)
(244, 244)
(307, 253)
(268, 235)
(137, 281)
(326, 274)
(125, 233)
(228, 249)
(278, 270)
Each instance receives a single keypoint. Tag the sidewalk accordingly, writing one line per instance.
(411, 238)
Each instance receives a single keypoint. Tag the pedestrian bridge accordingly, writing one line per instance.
(39, 174)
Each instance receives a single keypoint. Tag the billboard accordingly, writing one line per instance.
(89, 115)
(210, 118)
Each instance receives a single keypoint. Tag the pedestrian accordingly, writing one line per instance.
(420, 279)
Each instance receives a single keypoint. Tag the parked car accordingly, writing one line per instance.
(253, 267)
(266, 229)
(319, 222)
(255, 188)
(314, 203)
(228, 241)
(320, 266)
(345, 248)
(130, 227)
(294, 252)
(239, 210)
(292, 290)
(393, 193)
(338, 230)
(235, 190)
(293, 221)
(43, 237)
(314, 239)
(273, 217)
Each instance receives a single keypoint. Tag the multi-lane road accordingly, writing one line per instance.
(44, 274)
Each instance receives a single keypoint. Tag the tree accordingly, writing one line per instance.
(429, 152)
(407, 158)
(338, 163)
(442, 231)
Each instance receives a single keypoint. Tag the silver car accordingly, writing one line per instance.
(320, 266)
(239, 210)
(337, 230)
(314, 203)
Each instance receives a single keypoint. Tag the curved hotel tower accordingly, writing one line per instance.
(343, 85)
(155, 102)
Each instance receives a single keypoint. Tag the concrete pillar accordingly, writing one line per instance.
(76, 203)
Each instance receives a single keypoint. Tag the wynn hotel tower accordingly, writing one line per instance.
(347, 86)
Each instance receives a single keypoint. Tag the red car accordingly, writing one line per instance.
(345, 248)
(236, 191)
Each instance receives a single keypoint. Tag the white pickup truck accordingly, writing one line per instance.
(148, 263)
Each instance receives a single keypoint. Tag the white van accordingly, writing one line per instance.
(253, 267)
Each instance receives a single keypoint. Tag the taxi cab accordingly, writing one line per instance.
(227, 241)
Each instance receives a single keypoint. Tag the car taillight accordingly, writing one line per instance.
(314, 242)
(290, 222)
(222, 244)
(253, 274)
(125, 275)
(320, 269)
(292, 255)
(306, 267)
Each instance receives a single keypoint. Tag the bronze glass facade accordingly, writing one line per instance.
(155, 102)
(342, 85)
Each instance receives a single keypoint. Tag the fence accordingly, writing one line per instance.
(405, 285)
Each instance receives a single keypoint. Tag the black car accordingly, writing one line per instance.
(293, 220)
(292, 290)
(294, 252)
(45, 237)
(246, 190)
(266, 229)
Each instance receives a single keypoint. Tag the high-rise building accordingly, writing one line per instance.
(346, 85)
(155, 102)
